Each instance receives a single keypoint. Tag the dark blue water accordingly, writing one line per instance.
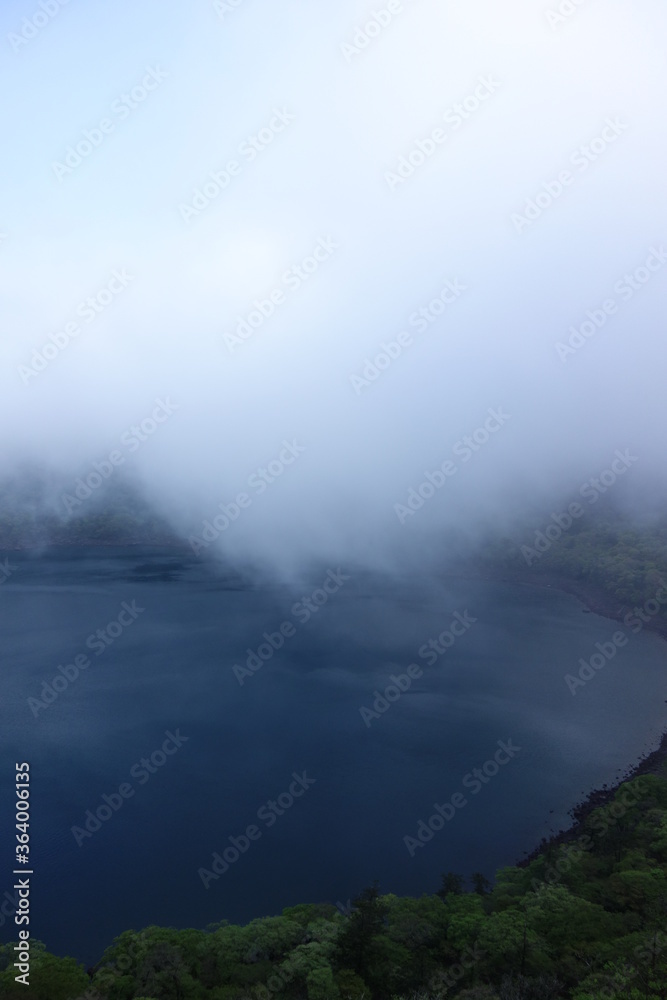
(171, 669)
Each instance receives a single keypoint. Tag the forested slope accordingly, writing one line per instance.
(585, 920)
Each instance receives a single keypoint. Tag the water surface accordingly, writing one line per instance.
(171, 669)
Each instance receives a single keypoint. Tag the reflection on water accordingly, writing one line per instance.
(182, 667)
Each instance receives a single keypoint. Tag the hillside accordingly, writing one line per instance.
(584, 920)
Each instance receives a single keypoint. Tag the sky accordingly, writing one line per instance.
(332, 242)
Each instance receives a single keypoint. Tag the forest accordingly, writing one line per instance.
(608, 555)
(585, 919)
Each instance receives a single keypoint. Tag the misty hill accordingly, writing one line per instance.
(40, 508)
(615, 561)
(612, 557)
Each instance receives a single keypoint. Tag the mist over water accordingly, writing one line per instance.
(422, 219)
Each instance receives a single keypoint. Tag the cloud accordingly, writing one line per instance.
(230, 86)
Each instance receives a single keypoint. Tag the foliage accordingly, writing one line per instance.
(575, 923)
(624, 559)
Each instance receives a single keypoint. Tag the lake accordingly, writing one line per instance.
(206, 708)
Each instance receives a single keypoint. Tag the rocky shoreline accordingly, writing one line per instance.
(597, 601)
(651, 763)
(594, 598)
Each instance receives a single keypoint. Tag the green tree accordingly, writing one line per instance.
(357, 944)
(321, 984)
(452, 884)
(51, 978)
(480, 883)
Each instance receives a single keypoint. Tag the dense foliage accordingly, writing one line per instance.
(626, 561)
(584, 920)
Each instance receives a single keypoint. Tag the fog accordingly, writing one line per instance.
(499, 168)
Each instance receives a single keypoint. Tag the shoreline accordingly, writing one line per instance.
(651, 763)
(596, 601)
(595, 598)
(96, 543)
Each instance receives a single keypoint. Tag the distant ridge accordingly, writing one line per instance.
(39, 508)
